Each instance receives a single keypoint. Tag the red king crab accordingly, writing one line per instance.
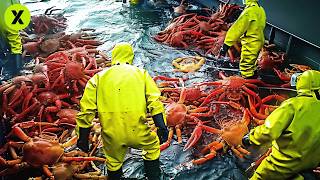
(17, 89)
(268, 59)
(41, 47)
(39, 152)
(44, 103)
(171, 90)
(63, 71)
(286, 75)
(45, 46)
(230, 135)
(172, 28)
(200, 32)
(194, 95)
(264, 109)
(184, 38)
(48, 23)
(177, 115)
(67, 116)
(168, 81)
(233, 88)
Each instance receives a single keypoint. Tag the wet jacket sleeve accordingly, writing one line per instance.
(88, 104)
(14, 41)
(274, 125)
(11, 36)
(237, 29)
(154, 105)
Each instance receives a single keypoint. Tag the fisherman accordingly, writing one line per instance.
(294, 131)
(248, 28)
(122, 95)
(10, 46)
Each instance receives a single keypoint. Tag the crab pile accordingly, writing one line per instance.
(43, 118)
(285, 76)
(269, 59)
(44, 46)
(47, 23)
(46, 152)
(225, 108)
(58, 83)
(41, 106)
(204, 34)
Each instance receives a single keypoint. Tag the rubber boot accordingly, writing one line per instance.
(152, 169)
(114, 175)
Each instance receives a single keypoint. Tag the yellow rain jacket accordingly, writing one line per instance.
(248, 29)
(11, 36)
(122, 95)
(294, 130)
(134, 2)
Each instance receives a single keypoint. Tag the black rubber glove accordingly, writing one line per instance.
(224, 49)
(246, 140)
(162, 129)
(83, 140)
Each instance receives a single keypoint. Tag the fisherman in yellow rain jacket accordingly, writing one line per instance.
(294, 131)
(10, 46)
(122, 95)
(248, 28)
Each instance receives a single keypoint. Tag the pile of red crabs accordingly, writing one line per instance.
(41, 107)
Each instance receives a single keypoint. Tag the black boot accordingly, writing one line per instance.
(114, 175)
(152, 169)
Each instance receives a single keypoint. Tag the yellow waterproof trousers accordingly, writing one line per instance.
(115, 152)
(248, 61)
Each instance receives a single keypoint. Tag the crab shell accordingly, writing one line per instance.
(175, 113)
(39, 152)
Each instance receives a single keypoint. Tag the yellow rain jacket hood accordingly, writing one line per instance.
(9, 35)
(122, 95)
(122, 53)
(250, 2)
(248, 29)
(294, 132)
(308, 82)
